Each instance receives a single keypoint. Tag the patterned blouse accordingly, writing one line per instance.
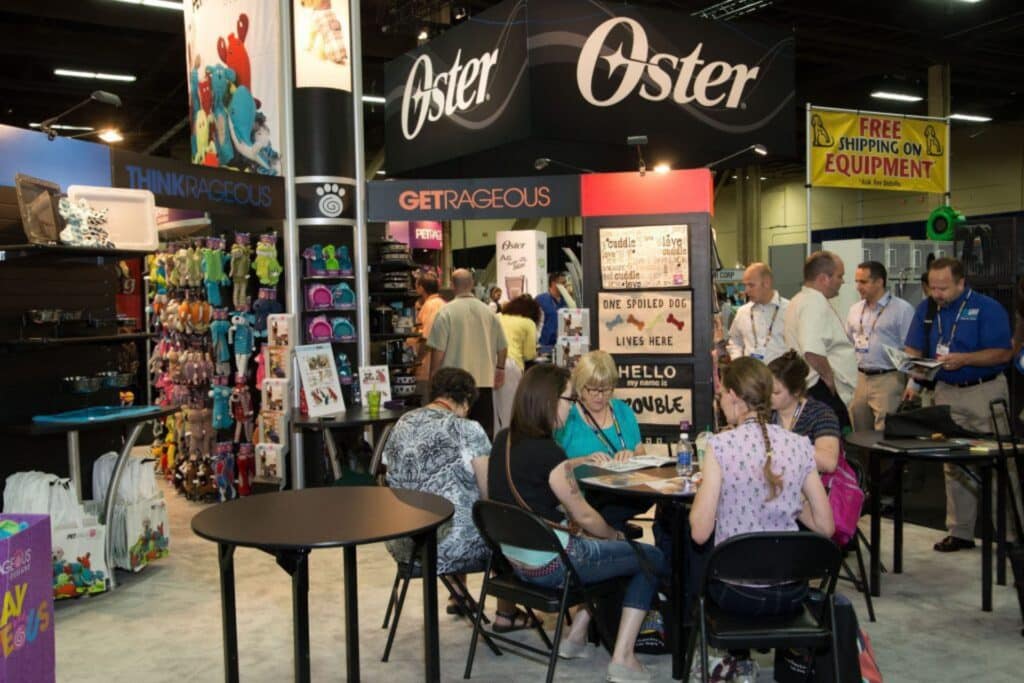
(431, 450)
(742, 504)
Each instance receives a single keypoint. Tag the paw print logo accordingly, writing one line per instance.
(331, 203)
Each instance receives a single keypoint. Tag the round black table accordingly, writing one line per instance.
(679, 504)
(962, 456)
(289, 524)
(354, 417)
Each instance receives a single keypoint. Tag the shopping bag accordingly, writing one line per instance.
(26, 621)
(147, 532)
(79, 564)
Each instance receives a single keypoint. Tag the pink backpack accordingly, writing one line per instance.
(846, 499)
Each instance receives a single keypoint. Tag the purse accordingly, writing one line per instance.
(846, 499)
(572, 528)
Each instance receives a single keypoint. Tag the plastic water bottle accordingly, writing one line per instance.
(701, 444)
(684, 453)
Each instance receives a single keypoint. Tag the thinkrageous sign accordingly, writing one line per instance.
(454, 199)
(869, 151)
(591, 72)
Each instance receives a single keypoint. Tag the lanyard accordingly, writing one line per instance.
(956, 321)
(796, 416)
(878, 315)
(599, 433)
(771, 325)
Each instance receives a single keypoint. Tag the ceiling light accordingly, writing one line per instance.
(62, 126)
(764, 178)
(111, 135)
(382, 172)
(423, 34)
(662, 168)
(899, 97)
(735, 177)
(373, 99)
(74, 73)
(162, 4)
(971, 117)
(760, 150)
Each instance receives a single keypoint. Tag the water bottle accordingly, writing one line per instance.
(684, 453)
(701, 444)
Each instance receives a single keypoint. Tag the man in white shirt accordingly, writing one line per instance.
(878, 320)
(814, 329)
(757, 327)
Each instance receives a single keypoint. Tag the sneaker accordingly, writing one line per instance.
(746, 671)
(618, 673)
(570, 650)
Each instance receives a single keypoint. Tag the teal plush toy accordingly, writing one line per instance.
(221, 80)
(241, 117)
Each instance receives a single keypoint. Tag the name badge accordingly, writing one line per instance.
(758, 353)
(860, 343)
(941, 350)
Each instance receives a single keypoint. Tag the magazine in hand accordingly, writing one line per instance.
(919, 368)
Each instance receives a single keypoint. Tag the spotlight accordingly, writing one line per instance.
(101, 96)
(757, 149)
(423, 35)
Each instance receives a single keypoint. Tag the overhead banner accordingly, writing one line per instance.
(646, 323)
(232, 51)
(878, 152)
(583, 71)
(322, 44)
(454, 199)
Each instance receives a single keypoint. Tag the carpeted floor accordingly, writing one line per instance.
(164, 624)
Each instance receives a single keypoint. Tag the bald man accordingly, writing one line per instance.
(757, 327)
(467, 335)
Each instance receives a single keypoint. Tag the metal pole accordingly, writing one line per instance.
(359, 245)
(949, 168)
(807, 183)
(291, 230)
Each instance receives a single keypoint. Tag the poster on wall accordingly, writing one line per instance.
(645, 323)
(876, 152)
(522, 262)
(645, 257)
(322, 41)
(319, 380)
(234, 88)
(660, 395)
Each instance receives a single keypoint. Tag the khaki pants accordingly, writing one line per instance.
(875, 397)
(969, 407)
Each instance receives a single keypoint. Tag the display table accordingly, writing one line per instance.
(867, 444)
(135, 416)
(680, 505)
(355, 417)
(290, 524)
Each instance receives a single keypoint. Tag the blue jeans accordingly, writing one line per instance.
(596, 561)
(768, 601)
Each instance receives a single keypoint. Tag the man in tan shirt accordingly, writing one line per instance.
(430, 303)
(465, 334)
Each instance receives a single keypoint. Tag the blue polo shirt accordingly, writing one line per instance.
(983, 324)
(550, 306)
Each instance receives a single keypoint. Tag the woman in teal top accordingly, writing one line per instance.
(599, 426)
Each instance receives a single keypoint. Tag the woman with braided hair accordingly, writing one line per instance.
(757, 477)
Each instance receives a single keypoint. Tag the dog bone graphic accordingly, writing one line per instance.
(614, 322)
(659, 319)
(634, 321)
(675, 321)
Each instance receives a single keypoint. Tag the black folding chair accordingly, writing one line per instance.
(767, 558)
(1015, 552)
(510, 525)
(409, 569)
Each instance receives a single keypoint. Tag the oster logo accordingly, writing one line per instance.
(482, 198)
(709, 84)
(429, 97)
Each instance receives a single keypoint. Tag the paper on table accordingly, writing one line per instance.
(637, 462)
(618, 481)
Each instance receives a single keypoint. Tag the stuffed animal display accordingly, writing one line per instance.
(83, 224)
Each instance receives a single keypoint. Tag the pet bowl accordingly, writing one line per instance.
(113, 378)
(41, 316)
(79, 384)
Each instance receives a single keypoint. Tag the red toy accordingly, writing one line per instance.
(233, 53)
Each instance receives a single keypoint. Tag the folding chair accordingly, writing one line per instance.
(501, 524)
(766, 558)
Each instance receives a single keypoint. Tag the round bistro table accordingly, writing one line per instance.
(290, 524)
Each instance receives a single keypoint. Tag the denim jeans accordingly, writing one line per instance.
(596, 561)
(767, 601)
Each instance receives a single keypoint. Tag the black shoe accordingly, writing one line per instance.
(632, 531)
(951, 544)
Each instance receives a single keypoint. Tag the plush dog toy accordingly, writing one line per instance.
(233, 53)
(221, 81)
(84, 225)
(326, 37)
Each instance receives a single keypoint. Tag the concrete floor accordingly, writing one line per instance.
(164, 624)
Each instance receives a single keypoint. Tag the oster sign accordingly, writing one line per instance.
(479, 198)
(578, 71)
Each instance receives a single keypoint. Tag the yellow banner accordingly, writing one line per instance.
(875, 152)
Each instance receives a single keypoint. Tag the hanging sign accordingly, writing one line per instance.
(647, 256)
(645, 323)
(322, 47)
(878, 152)
(659, 394)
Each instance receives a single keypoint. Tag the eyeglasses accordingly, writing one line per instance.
(599, 391)
(570, 399)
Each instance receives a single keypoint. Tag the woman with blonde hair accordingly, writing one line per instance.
(757, 477)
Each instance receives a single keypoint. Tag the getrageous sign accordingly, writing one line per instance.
(582, 71)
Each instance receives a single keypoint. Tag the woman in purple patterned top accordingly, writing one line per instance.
(757, 477)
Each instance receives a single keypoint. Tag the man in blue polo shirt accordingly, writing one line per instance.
(971, 336)
(549, 302)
